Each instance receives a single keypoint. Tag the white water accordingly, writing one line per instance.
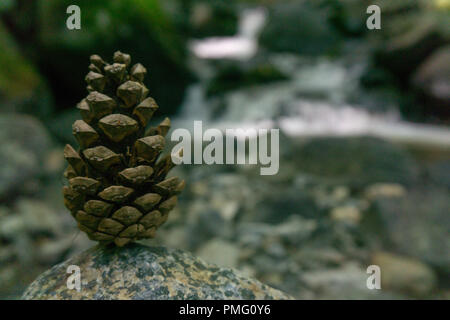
(260, 107)
(242, 46)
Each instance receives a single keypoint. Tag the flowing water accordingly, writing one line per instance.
(314, 102)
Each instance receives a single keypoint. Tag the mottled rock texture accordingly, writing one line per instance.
(140, 272)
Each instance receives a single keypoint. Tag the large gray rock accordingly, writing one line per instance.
(139, 272)
(415, 225)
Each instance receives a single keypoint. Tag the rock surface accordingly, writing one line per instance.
(372, 161)
(416, 225)
(139, 272)
(25, 142)
(404, 274)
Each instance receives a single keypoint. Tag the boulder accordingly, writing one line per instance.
(22, 89)
(138, 272)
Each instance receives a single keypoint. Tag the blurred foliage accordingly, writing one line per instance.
(139, 27)
(210, 18)
(50, 61)
(17, 77)
(22, 89)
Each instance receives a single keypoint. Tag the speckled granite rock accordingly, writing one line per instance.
(140, 272)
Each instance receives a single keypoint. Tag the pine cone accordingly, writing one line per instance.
(118, 191)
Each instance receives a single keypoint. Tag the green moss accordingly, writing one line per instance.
(18, 78)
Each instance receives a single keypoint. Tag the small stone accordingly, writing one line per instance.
(347, 214)
(385, 190)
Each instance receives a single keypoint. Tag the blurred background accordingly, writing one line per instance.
(364, 121)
